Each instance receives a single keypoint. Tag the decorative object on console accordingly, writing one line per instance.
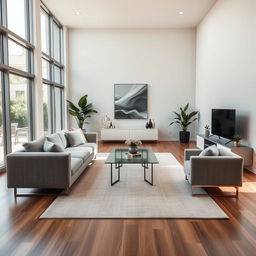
(236, 139)
(105, 121)
(133, 145)
(131, 101)
(150, 124)
(184, 120)
(82, 112)
(207, 130)
(111, 126)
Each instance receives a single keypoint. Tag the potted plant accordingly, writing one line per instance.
(82, 111)
(184, 119)
(133, 145)
(207, 131)
(236, 138)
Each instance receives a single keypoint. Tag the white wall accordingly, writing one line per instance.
(226, 64)
(164, 59)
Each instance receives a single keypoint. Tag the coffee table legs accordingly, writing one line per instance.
(117, 166)
(151, 181)
(144, 165)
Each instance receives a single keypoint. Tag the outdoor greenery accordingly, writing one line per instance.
(82, 111)
(18, 112)
(183, 118)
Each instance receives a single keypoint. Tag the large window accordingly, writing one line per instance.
(16, 17)
(16, 72)
(2, 153)
(19, 111)
(47, 103)
(53, 70)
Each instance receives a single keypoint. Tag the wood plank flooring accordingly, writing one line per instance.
(23, 233)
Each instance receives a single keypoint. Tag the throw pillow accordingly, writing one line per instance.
(51, 147)
(63, 138)
(76, 137)
(210, 151)
(55, 138)
(35, 145)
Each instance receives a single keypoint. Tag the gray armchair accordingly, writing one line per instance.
(213, 171)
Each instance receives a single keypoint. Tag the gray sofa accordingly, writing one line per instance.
(213, 171)
(51, 170)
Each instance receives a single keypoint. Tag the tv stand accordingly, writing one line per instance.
(203, 142)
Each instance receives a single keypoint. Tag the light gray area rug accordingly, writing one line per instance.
(170, 197)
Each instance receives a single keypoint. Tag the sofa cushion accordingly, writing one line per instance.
(210, 151)
(79, 149)
(76, 137)
(63, 138)
(76, 163)
(35, 145)
(55, 138)
(80, 154)
(51, 147)
(93, 146)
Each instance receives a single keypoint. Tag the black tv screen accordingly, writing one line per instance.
(224, 122)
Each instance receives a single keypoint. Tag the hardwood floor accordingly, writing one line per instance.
(23, 233)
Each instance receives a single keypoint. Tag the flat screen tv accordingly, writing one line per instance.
(224, 122)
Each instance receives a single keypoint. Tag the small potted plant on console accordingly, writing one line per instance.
(133, 145)
(236, 138)
(207, 130)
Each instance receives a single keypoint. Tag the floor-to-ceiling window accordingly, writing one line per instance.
(1, 121)
(17, 77)
(53, 71)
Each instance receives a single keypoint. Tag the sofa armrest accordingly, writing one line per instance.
(38, 170)
(191, 152)
(91, 137)
(219, 170)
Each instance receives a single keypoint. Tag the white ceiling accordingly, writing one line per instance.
(129, 13)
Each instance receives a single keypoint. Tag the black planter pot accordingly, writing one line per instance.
(184, 137)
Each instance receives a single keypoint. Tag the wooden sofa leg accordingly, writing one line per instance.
(66, 191)
(237, 191)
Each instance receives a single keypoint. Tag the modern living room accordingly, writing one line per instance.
(127, 127)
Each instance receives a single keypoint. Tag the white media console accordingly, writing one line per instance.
(118, 134)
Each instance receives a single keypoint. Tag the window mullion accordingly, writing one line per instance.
(6, 115)
(3, 14)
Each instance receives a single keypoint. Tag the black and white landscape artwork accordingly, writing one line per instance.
(131, 101)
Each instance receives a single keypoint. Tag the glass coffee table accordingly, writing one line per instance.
(117, 158)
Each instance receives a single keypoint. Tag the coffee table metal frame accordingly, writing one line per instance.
(143, 160)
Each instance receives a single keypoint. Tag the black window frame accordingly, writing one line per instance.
(52, 64)
(5, 35)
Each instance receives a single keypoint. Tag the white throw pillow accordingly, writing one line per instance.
(35, 145)
(51, 147)
(76, 137)
(210, 151)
